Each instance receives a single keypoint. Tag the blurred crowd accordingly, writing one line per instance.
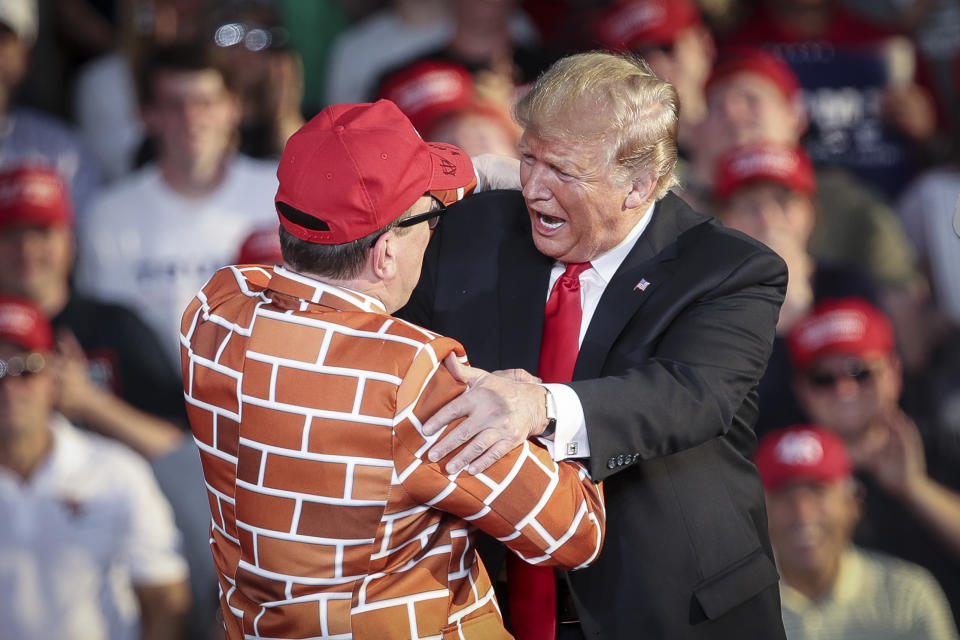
(138, 150)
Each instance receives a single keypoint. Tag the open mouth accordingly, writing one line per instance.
(549, 222)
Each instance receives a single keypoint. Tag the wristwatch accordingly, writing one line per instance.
(551, 416)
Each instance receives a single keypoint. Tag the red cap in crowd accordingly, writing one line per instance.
(355, 168)
(638, 24)
(262, 246)
(35, 196)
(746, 59)
(850, 326)
(786, 165)
(429, 90)
(801, 453)
(24, 324)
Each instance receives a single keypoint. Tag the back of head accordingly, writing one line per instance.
(611, 98)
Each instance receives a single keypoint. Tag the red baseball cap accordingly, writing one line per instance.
(34, 195)
(644, 23)
(850, 326)
(786, 165)
(24, 324)
(801, 453)
(428, 90)
(262, 246)
(747, 59)
(355, 168)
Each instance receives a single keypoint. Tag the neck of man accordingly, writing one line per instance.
(52, 299)
(364, 283)
(22, 454)
(196, 176)
(813, 585)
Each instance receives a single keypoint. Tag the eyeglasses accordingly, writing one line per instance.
(432, 217)
(437, 210)
(854, 369)
(22, 365)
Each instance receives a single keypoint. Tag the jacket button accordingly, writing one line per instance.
(620, 462)
(636, 457)
(611, 463)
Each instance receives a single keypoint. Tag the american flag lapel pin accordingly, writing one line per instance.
(642, 285)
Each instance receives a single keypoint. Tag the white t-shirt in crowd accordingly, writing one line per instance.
(930, 212)
(89, 523)
(147, 247)
(107, 113)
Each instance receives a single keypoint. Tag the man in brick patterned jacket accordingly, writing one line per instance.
(307, 398)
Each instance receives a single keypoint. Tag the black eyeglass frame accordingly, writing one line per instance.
(861, 372)
(432, 217)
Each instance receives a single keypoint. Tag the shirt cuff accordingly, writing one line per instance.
(570, 438)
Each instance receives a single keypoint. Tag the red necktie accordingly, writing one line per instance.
(532, 590)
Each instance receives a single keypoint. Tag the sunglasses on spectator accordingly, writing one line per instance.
(854, 369)
(22, 365)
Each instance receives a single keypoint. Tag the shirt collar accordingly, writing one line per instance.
(66, 444)
(606, 265)
(311, 290)
(846, 587)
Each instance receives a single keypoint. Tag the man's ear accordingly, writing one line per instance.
(383, 256)
(641, 190)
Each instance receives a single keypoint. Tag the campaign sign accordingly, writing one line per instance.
(842, 90)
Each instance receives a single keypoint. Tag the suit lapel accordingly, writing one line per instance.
(642, 275)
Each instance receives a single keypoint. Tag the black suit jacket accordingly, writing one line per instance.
(667, 377)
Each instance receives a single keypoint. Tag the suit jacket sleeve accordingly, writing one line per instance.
(549, 513)
(700, 374)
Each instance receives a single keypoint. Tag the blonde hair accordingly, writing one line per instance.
(610, 98)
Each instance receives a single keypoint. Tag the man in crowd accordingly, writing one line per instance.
(663, 320)
(307, 400)
(831, 588)
(848, 378)
(27, 135)
(113, 376)
(115, 379)
(768, 192)
(84, 520)
(151, 241)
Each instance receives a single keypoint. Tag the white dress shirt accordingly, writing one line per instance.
(570, 437)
